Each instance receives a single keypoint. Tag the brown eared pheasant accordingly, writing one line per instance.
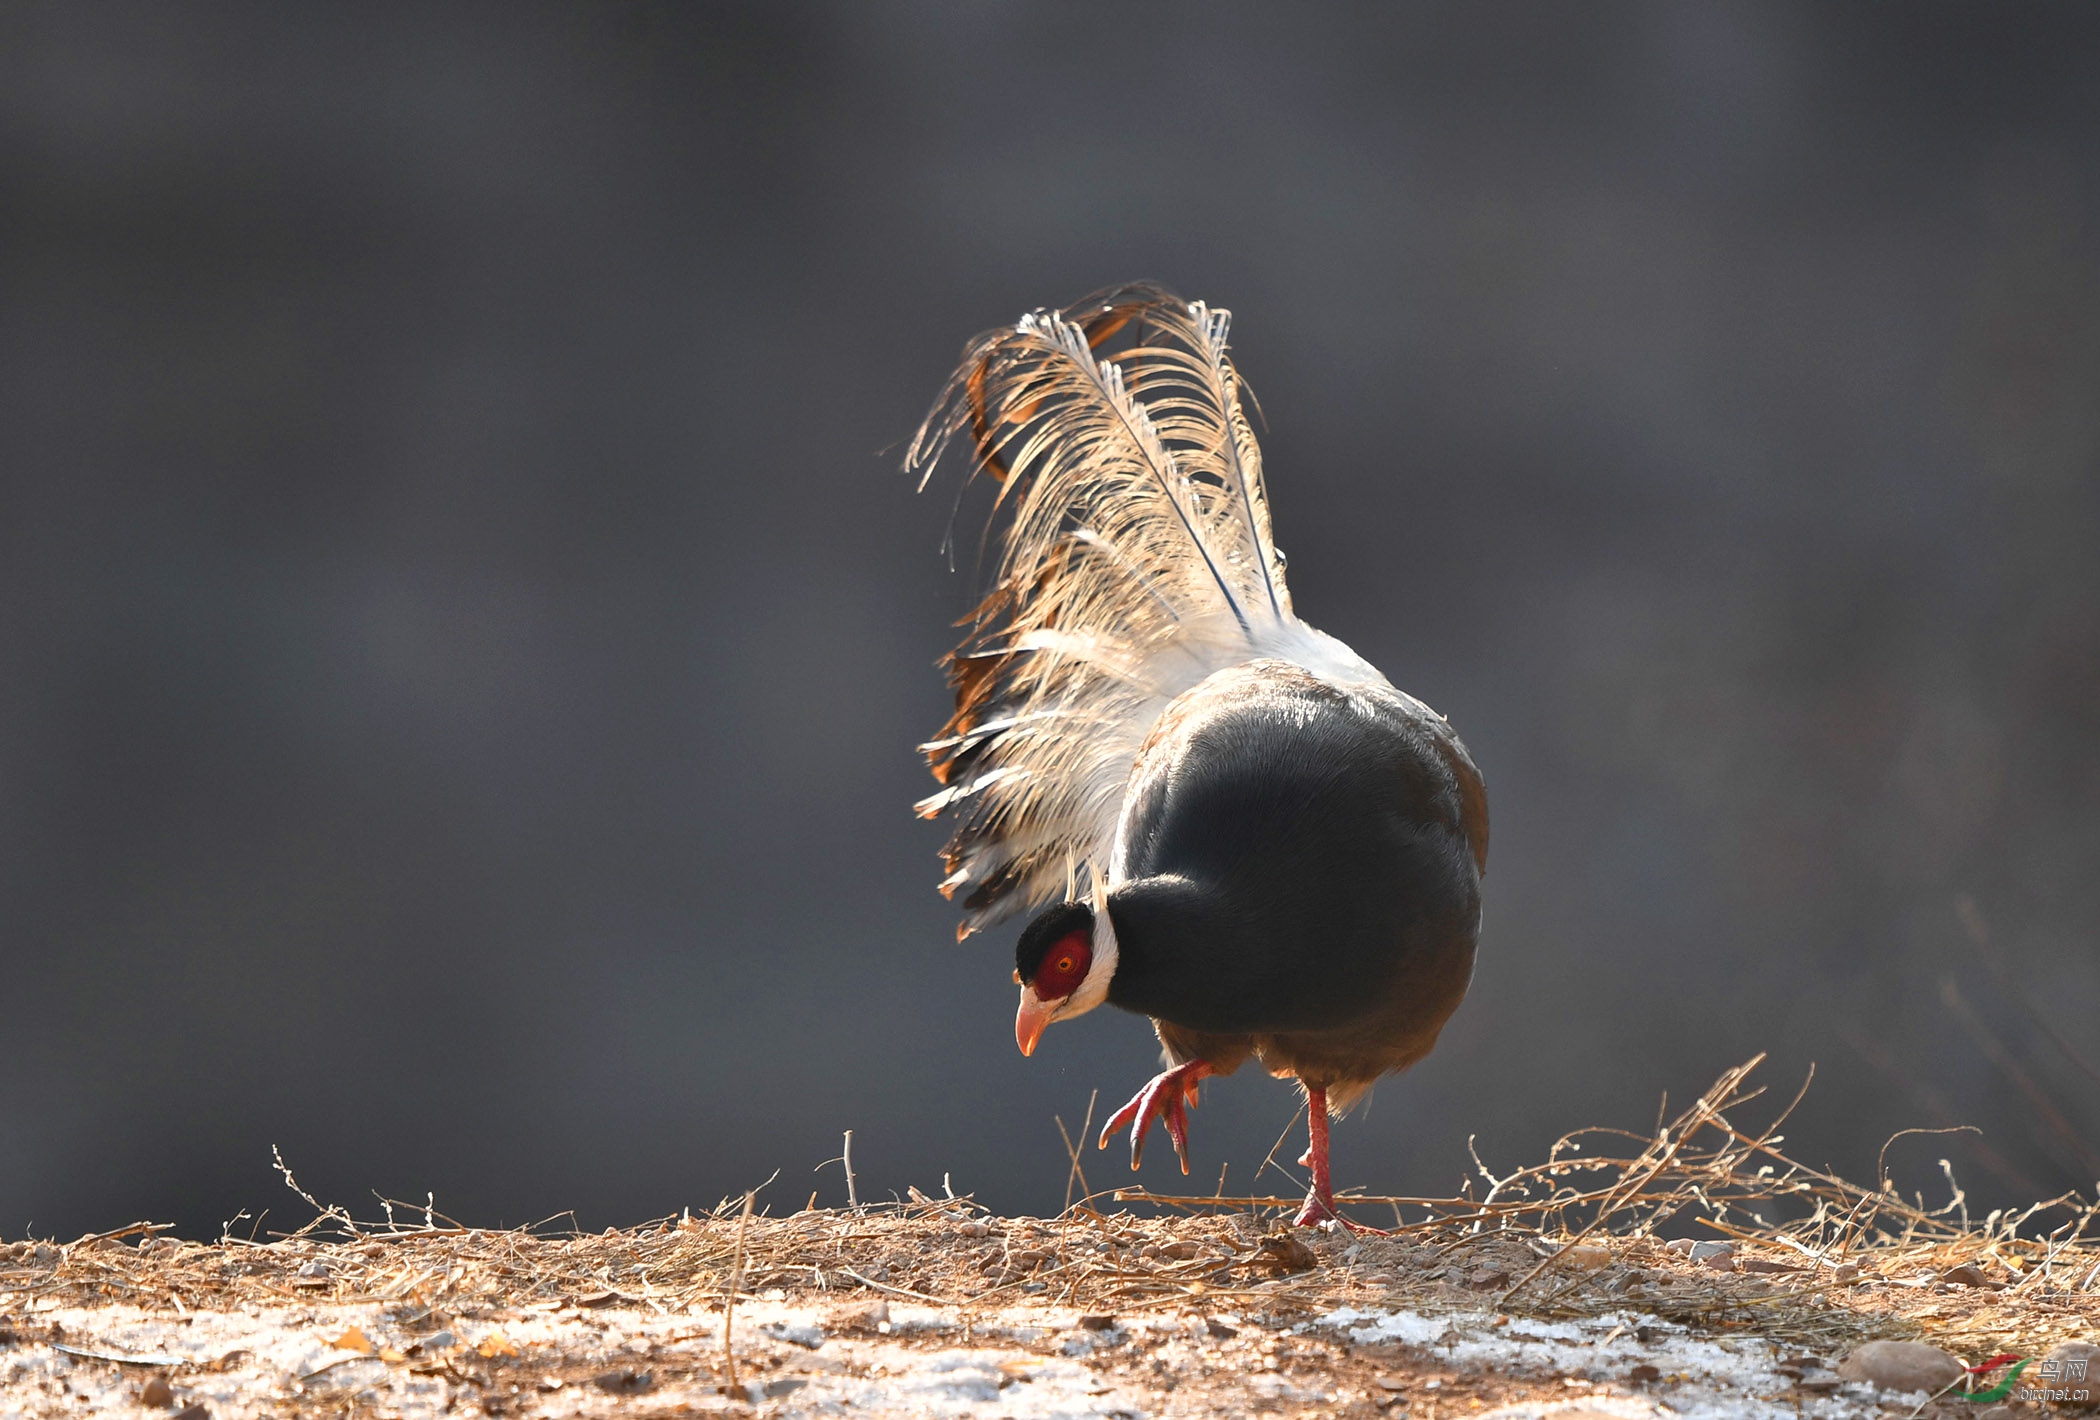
(1230, 821)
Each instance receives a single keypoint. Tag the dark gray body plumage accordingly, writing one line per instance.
(1300, 877)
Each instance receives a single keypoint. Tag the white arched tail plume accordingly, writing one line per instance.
(1136, 559)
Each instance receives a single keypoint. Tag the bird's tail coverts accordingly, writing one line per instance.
(1136, 559)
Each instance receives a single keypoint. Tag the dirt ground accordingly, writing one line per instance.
(936, 1308)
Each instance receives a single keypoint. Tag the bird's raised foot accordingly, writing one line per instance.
(1167, 1098)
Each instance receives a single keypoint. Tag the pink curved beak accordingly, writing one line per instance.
(1032, 1019)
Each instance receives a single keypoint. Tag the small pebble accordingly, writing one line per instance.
(157, 1393)
(1284, 1251)
(1901, 1365)
(1763, 1264)
(862, 1318)
(808, 1337)
(625, 1382)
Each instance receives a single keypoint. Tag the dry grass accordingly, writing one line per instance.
(1819, 1262)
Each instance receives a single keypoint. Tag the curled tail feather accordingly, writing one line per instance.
(1136, 557)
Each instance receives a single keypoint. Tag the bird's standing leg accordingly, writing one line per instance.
(1319, 1202)
(1167, 1098)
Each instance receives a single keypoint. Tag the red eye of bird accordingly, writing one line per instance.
(1064, 967)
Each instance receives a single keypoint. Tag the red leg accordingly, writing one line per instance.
(1319, 1203)
(1167, 1098)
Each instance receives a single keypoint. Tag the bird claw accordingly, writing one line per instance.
(1316, 1211)
(1167, 1098)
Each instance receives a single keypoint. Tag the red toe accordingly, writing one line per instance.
(1166, 1098)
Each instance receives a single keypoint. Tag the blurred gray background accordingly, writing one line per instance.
(463, 631)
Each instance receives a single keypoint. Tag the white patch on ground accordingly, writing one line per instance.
(798, 1360)
(790, 1366)
(1702, 1379)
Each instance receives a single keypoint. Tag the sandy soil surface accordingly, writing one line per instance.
(938, 1309)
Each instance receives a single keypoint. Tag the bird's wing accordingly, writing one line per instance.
(1136, 559)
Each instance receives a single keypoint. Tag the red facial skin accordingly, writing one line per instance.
(1064, 967)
